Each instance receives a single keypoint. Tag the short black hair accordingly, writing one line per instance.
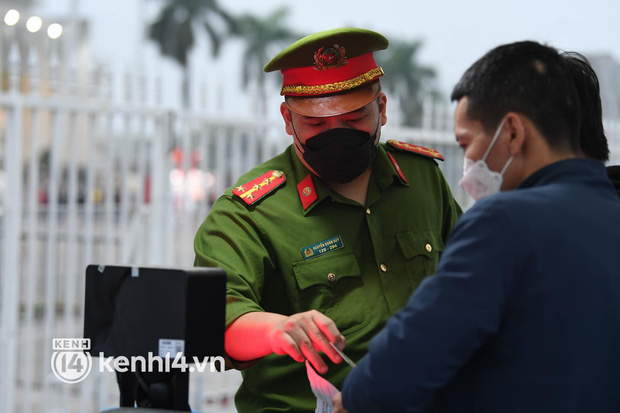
(528, 78)
(592, 137)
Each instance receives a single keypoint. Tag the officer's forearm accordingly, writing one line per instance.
(248, 337)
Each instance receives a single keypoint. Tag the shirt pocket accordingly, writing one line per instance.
(421, 250)
(332, 284)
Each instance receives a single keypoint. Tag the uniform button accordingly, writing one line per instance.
(383, 267)
(368, 211)
(331, 277)
(428, 248)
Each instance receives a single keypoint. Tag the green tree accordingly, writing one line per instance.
(174, 31)
(407, 80)
(263, 38)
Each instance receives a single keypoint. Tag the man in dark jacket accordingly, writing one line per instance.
(614, 175)
(523, 312)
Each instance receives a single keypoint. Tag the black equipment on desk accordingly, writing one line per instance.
(146, 311)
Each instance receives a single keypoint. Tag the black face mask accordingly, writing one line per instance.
(340, 155)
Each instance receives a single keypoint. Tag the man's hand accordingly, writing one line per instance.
(303, 335)
(337, 402)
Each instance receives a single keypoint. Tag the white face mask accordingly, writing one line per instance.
(478, 180)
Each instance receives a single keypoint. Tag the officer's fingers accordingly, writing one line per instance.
(300, 328)
(312, 355)
(321, 343)
(328, 327)
(283, 343)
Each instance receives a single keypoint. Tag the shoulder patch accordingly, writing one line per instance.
(421, 150)
(259, 187)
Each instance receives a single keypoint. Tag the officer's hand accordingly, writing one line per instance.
(303, 335)
(337, 402)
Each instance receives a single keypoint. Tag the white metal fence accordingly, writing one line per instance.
(85, 181)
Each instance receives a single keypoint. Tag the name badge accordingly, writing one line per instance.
(323, 247)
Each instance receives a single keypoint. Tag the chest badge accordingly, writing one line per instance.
(322, 247)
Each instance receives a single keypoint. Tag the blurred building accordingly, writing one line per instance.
(26, 36)
(11, 4)
(45, 58)
(608, 71)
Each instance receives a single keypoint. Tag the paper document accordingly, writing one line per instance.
(322, 389)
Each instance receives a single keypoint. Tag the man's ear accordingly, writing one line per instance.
(382, 98)
(286, 115)
(515, 126)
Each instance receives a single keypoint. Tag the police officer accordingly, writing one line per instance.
(325, 241)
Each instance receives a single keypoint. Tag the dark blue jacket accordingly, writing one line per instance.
(614, 175)
(523, 314)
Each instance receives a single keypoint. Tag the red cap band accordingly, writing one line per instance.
(310, 81)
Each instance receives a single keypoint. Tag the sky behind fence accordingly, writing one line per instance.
(455, 33)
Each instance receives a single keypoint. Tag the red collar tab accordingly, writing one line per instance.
(330, 74)
(420, 150)
(259, 187)
(307, 192)
(398, 170)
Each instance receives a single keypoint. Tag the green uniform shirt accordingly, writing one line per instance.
(381, 252)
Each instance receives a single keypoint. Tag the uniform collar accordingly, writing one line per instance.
(312, 190)
(386, 170)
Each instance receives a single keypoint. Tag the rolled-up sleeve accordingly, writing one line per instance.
(230, 239)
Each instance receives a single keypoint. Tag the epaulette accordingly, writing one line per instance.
(259, 187)
(420, 150)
